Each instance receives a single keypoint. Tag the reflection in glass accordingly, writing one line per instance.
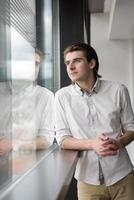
(26, 120)
(5, 170)
(5, 101)
(32, 124)
(26, 123)
(44, 41)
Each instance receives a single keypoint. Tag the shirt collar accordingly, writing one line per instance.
(95, 88)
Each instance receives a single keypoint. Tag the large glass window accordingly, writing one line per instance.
(44, 42)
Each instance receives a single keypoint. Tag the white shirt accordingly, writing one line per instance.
(107, 109)
(28, 110)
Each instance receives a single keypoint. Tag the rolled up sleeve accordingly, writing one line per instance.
(127, 115)
(61, 124)
(47, 122)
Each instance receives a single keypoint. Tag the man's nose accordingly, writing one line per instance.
(71, 66)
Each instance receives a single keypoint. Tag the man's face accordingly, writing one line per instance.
(37, 65)
(78, 68)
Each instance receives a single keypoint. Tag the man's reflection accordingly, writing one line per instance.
(32, 113)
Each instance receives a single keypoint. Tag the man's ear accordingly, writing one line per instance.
(92, 63)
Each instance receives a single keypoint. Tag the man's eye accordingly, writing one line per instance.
(73, 61)
(66, 63)
(77, 60)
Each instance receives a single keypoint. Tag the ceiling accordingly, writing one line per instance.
(121, 23)
(95, 6)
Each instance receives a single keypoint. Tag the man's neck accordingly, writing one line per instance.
(86, 85)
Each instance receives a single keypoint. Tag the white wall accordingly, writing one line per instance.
(116, 57)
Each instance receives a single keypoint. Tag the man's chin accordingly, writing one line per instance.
(74, 79)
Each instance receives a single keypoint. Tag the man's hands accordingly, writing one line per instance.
(105, 146)
(5, 145)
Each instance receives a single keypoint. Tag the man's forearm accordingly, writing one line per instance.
(76, 144)
(100, 145)
(126, 138)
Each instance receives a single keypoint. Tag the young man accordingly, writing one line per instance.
(27, 121)
(95, 117)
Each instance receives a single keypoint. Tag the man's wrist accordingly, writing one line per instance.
(120, 142)
(91, 144)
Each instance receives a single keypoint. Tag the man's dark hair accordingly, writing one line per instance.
(89, 53)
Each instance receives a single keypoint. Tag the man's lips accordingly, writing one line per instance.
(73, 73)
